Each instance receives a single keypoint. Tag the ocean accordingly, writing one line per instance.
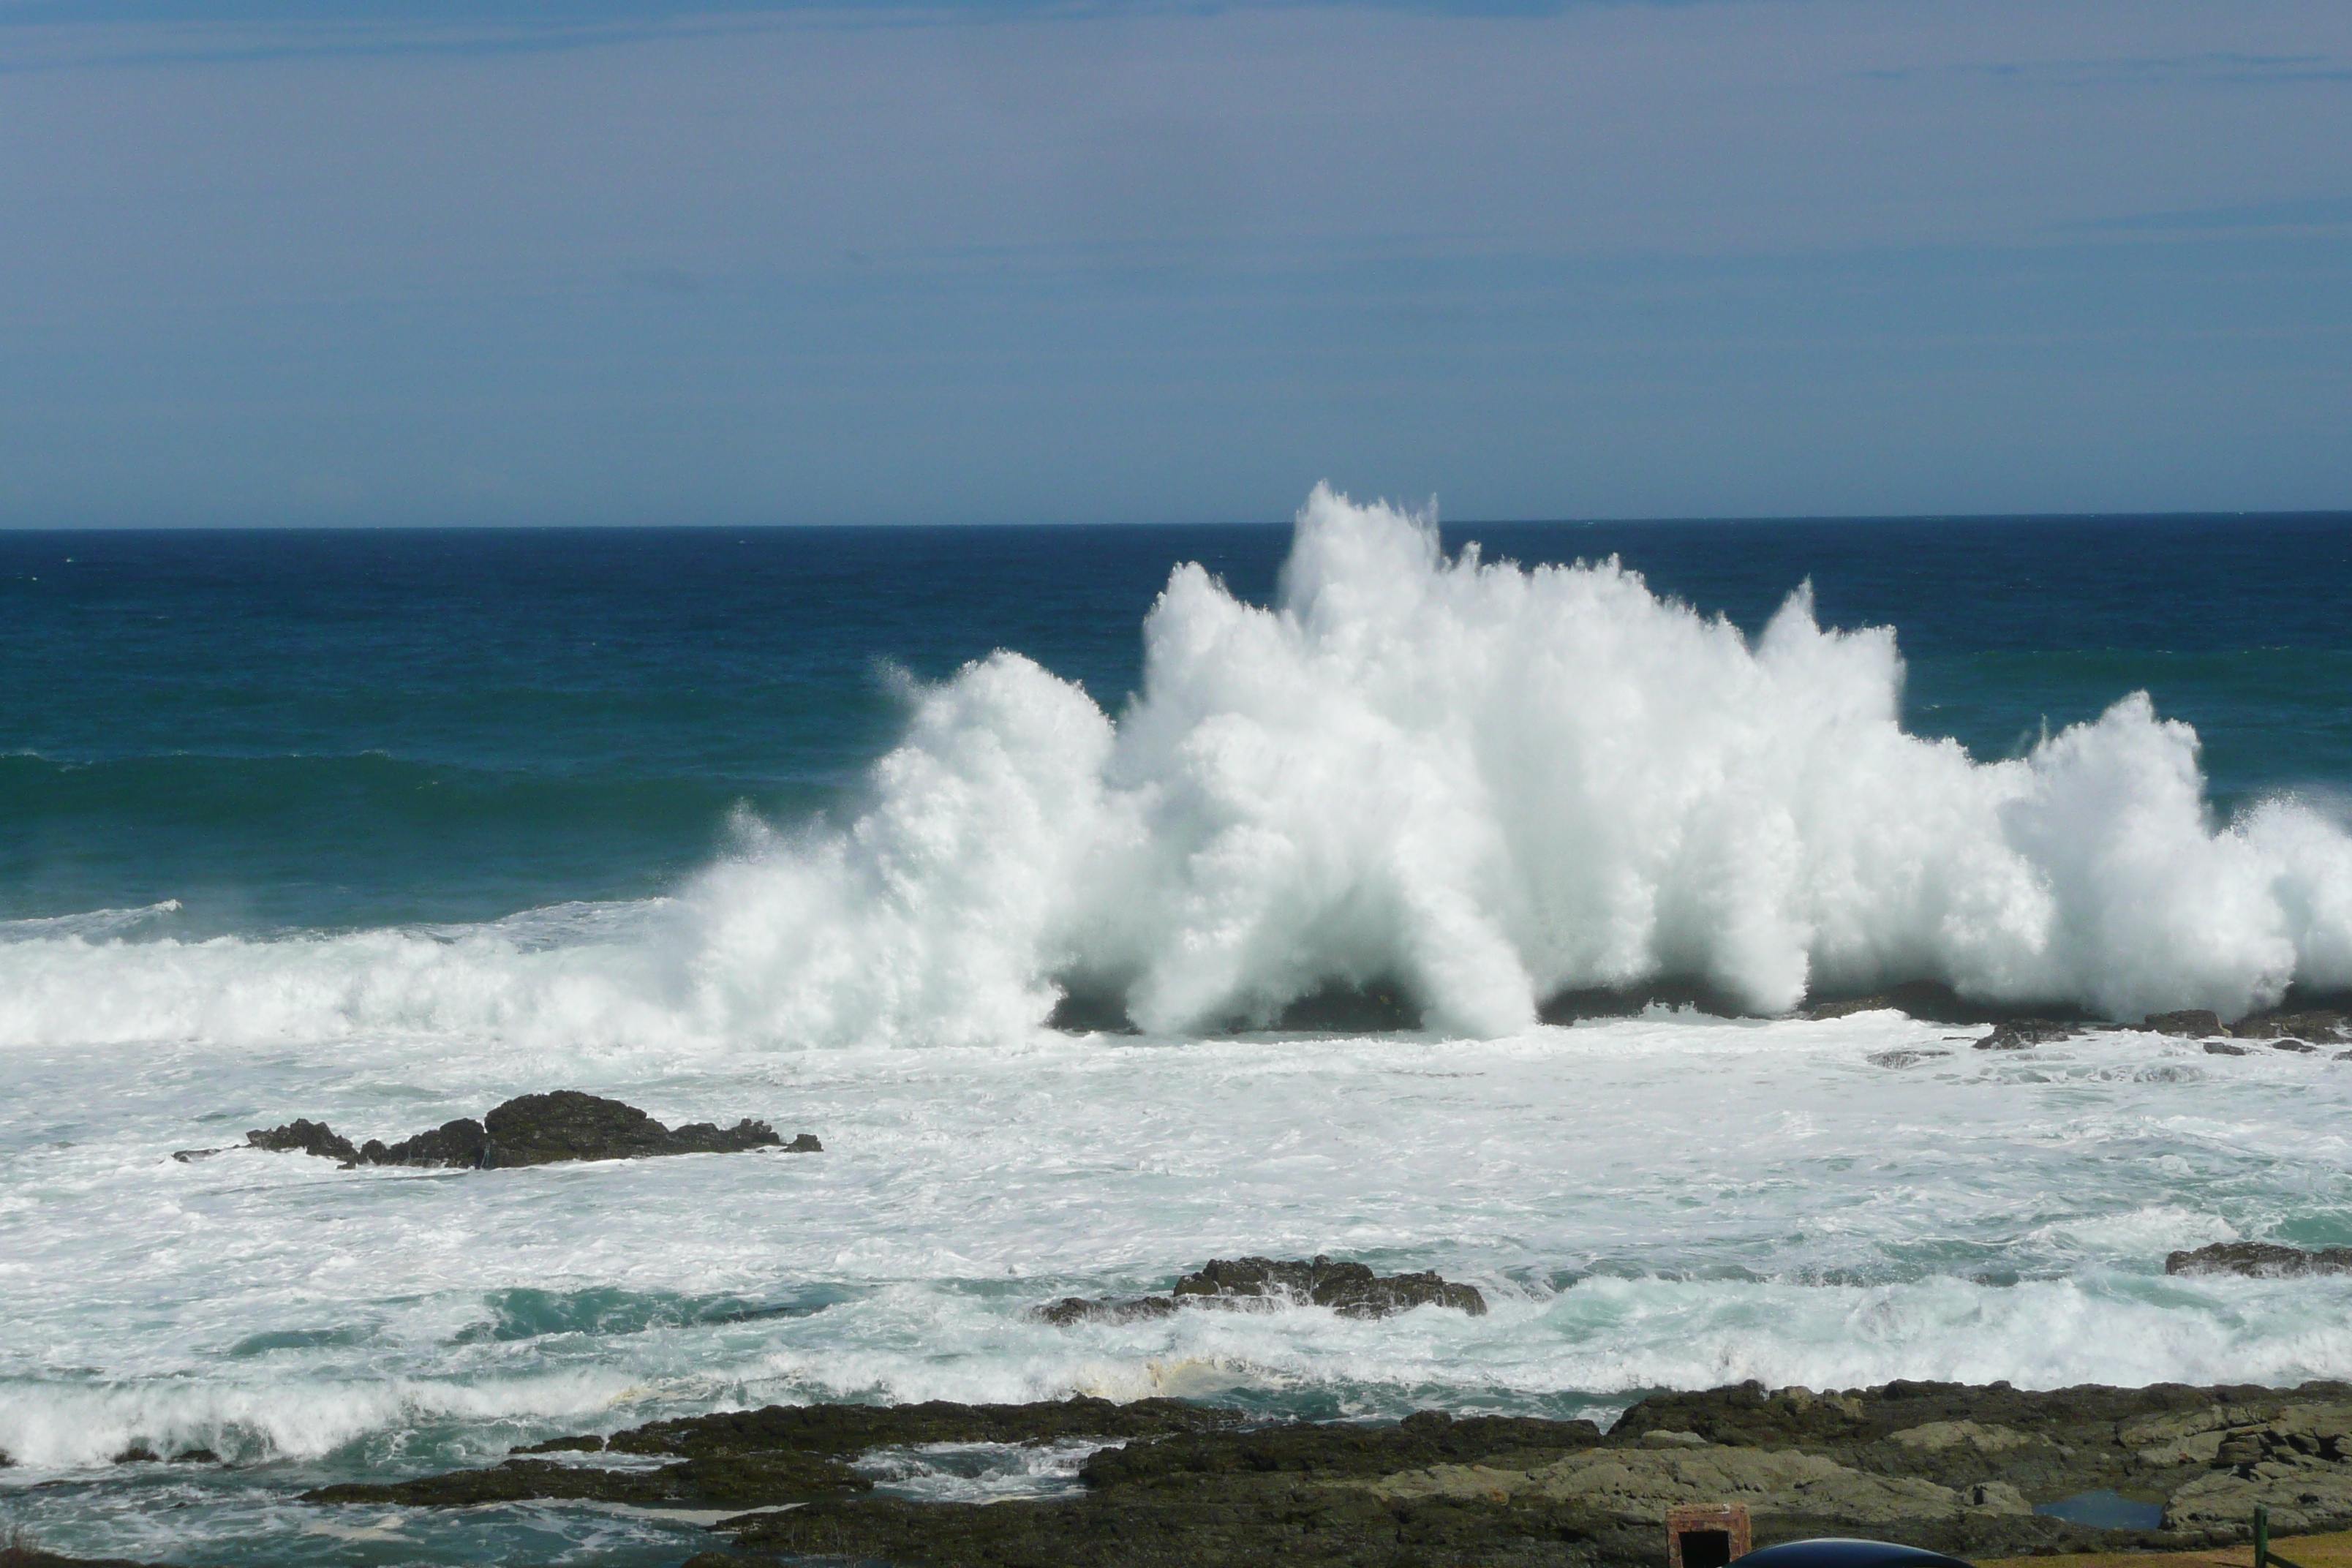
(823, 826)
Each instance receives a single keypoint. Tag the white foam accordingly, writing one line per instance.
(1484, 783)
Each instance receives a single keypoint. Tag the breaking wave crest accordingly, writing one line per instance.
(1480, 785)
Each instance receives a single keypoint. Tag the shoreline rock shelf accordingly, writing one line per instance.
(531, 1130)
(1951, 1467)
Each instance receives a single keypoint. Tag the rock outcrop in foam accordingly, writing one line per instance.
(535, 1130)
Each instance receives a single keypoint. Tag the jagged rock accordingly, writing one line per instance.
(533, 1130)
(139, 1454)
(190, 1156)
(1350, 1289)
(2192, 1022)
(2259, 1260)
(459, 1143)
(548, 1128)
(1080, 1310)
(306, 1138)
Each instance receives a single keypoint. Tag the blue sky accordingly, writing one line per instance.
(601, 262)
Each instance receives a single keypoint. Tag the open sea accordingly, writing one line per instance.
(823, 826)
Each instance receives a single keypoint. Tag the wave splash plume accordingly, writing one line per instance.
(1481, 785)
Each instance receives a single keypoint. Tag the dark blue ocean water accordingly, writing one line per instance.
(330, 729)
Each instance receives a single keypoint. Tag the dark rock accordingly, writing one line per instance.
(1567, 1006)
(549, 1129)
(1903, 1059)
(720, 1480)
(1933, 1002)
(1379, 1007)
(190, 1156)
(195, 1456)
(460, 1144)
(304, 1138)
(2281, 1043)
(139, 1454)
(2223, 1048)
(17, 1550)
(1351, 1290)
(1080, 1309)
(1087, 1011)
(2190, 1022)
(533, 1130)
(2259, 1260)
(2327, 1028)
(1334, 1448)
(758, 1459)
(2023, 1033)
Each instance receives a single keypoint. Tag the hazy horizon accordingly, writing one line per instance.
(625, 261)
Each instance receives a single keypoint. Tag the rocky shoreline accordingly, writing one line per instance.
(1970, 1470)
(1953, 1468)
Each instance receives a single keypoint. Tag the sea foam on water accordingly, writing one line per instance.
(1480, 785)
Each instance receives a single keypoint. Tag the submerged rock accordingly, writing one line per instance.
(1350, 1289)
(2191, 1022)
(2019, 1034)
(2259, 1260)
(536, 1130)
(1122, 1309)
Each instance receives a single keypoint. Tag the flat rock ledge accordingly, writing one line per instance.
(532, 1130)
(1350, 1289)
(2260, 1260)
(1951, 1467)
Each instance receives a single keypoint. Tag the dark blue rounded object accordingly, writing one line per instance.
(1839, 1552)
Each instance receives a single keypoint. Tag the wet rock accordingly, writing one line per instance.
(2025, 1033)
(304, 1137)
(1380, 1007)
(1072, 1309)
(139, 1454)
(2259, 1260)
(2192, 1022)
(760, 1458)
(534, 1130)
(195, 1456)
(2223, 1048)
(190, 1156)
(1567, 1006)
(460, 1144)
(1935, 1003)
(551, 1129)
(2285, 1042)
(2327, 1028)
(1350, 1289)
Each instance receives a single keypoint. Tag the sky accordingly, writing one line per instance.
(624, 261)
